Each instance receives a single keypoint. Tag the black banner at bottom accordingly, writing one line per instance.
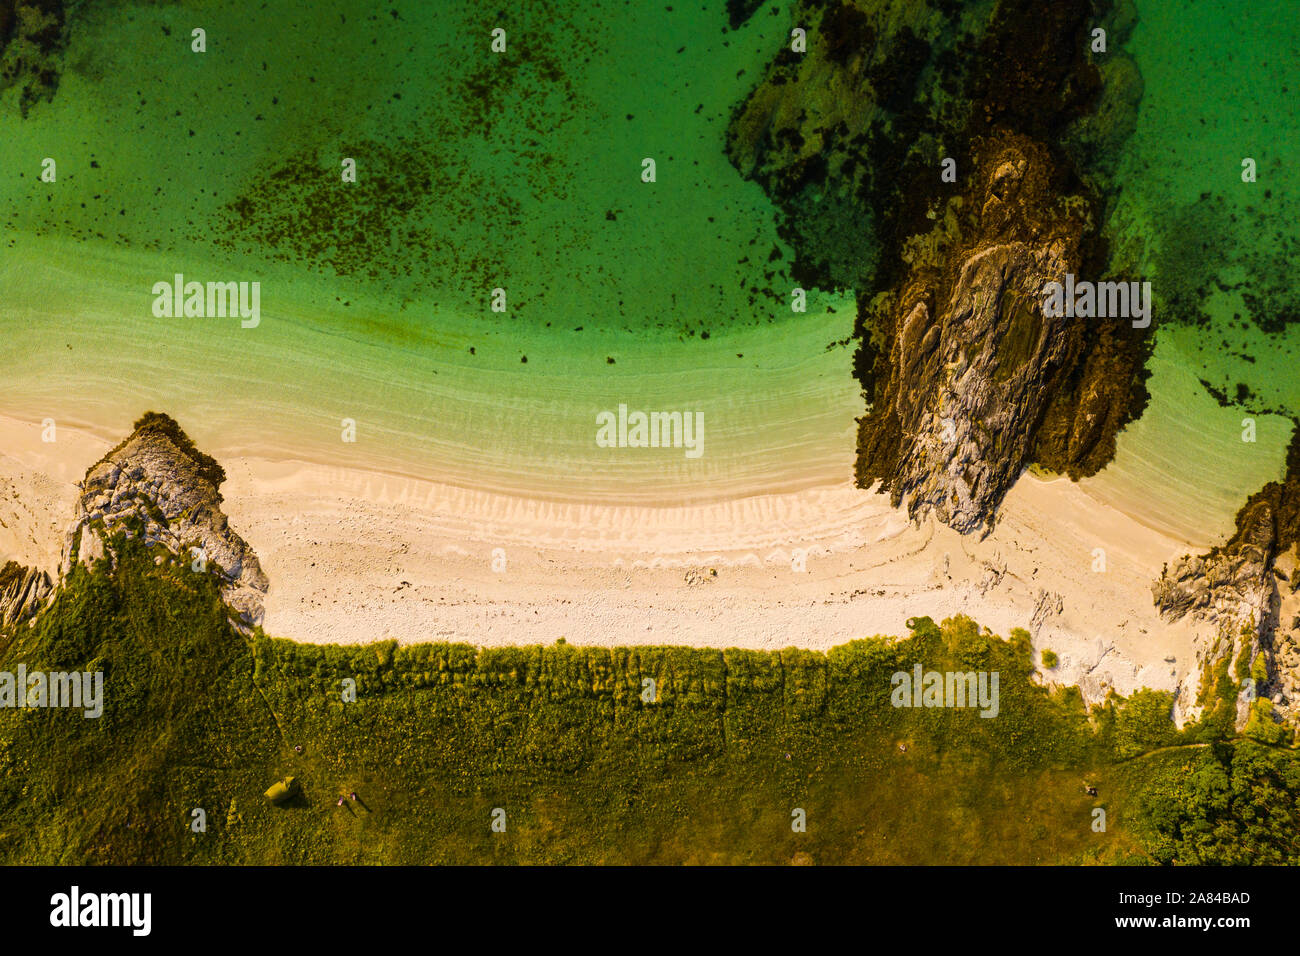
(365, 906)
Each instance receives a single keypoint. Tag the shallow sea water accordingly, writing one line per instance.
(522, 171)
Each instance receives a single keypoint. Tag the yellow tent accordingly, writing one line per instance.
(282, 790)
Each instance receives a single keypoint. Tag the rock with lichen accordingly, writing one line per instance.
(1235, 587)
(1228, 585)
(157, 487)
(966, 381)
(972, 359)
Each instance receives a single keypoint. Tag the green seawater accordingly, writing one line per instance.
(1221, 84)
(522, 170)
(476, 170)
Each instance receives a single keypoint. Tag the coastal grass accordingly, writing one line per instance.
(569, 746)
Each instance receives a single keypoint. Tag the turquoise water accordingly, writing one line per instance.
(522, 171)
(476, 171)
(1221, 81)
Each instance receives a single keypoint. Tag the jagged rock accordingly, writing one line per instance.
(973, 363)
(1232, 588)
(994, 572)
(157, 486)
(22, 592)
(1235, 588)
(966, 382)
(1229, 585)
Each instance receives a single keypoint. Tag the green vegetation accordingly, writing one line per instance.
(1242, 668)
(1050, 660)
(1261, 726)
(1144, 724)
(586, 768)
(1259, 668)
(1221, 804)
(10, 574)
(1218, 699)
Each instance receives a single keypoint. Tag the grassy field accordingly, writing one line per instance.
(196, 715)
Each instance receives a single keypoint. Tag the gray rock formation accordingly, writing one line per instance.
(22, 592)
(966, 384)
(157, 486)
(967, 413)
(1228, 586)
(1233, 588)
(975, 359)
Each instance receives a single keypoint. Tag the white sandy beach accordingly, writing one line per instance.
(354, 556)
(477, 507)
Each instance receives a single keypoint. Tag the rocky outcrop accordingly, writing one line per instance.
(1236, 588)
(966, 380)
(158, 487)
(972, 380)
(974, 356)
(1228, 586)
(1050, 604)
(1231, 588)
(1284, 689)
(22, 592)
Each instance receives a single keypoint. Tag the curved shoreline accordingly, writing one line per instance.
(356, 556)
